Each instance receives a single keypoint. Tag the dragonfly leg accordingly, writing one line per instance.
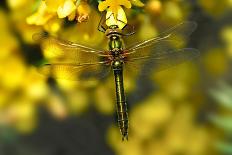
(101, 28)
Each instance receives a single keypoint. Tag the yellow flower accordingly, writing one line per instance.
(48, 9)
(83, 11)
(115, 14)
(227, 38)
(42, 16)
(18, 4)
(63, 8)
(81, 14)
(113, 5)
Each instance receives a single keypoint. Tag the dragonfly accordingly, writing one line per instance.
(72, 61)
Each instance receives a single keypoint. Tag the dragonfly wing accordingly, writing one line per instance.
(174, 37)
(163, 51)
(162, 61)
(58, 50)
(71, 61)
(75, 72)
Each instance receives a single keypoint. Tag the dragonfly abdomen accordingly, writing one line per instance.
(121, 105)
(123, 121)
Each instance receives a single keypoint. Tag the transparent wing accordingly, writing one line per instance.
(173, 38)
(157, 63)
(58, 50)
(75, 72)
(71, 61)
(161, 52)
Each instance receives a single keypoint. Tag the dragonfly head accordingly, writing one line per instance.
(113, 27)
(113, 30)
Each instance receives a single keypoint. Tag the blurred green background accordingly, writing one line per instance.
(185, 110)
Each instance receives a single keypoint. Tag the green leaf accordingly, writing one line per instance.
(137, 3)
(223, 95)
(226, 148)
(224, 122)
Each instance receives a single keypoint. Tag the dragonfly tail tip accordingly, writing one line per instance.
(124, 137)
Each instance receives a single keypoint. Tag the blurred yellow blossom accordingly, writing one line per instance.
(215, 8)
(13, 65)
(78, 100)
(25, 116)
(34, 84)
(19, 114)
(115, 14)
(8, 42)
(173, 11)
(154, 7)
(177, 82)
(53, 25)
(216, 62)
(227, 38)
(56, 107)
(42, 16)
(104, 100)
(49, 9)
(17, 4)
(83, 11)
(88, 35)
(147, 30)
(184, 132)
(63, 8)
(150, 114)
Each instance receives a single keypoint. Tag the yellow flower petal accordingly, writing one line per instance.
(16, 4)
(38, 19)
(66, 9)
(53, 5)
(83, 11)
(102, 5)
(113, 4)
(72, 16)
(114, 10)
(125, 3)
(41, 16)
(53, 25)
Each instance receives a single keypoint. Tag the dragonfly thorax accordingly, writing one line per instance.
(115, 43)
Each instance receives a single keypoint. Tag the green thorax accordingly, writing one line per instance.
(115, 42)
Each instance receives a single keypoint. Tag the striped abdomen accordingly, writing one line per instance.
(121, 102)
